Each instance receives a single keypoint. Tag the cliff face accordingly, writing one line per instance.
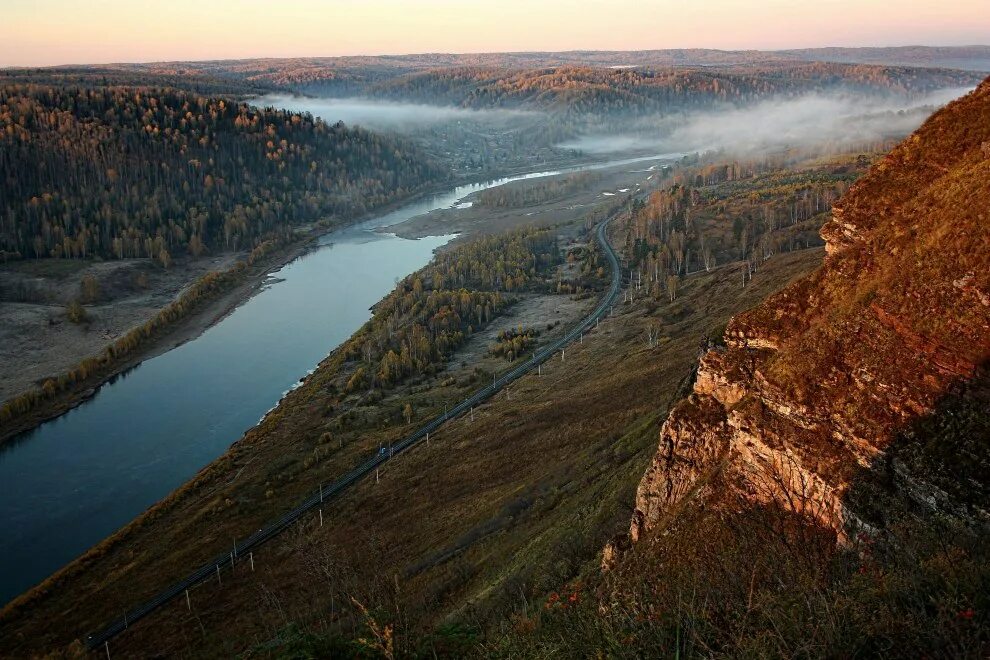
(817, 382)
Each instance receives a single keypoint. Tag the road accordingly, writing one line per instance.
(213, 568)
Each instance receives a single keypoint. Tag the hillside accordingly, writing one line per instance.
(120, 172)
(825, 488)
(817, 384)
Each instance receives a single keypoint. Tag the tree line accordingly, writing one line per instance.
(529, 193)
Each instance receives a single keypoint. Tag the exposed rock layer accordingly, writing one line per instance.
(817, 382)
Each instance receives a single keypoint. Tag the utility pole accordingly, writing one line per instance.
(106, 645)
(188, 602)
(252, 561)
(219, 581)
(321, 517)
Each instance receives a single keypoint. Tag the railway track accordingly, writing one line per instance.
(275, 527)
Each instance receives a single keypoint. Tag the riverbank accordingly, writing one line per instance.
(275, 462)
(207, 313)
(210, 312)
(37, 337)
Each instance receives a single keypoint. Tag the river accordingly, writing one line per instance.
(76, 479)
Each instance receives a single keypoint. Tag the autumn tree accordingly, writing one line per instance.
(89, 289)
(76, 313)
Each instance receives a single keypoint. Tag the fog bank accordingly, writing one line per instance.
(800, 122)
(372, 113)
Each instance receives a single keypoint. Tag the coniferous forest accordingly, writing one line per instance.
(120, 172)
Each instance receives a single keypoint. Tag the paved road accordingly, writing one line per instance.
(212, 568)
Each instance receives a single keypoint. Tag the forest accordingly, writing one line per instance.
(119, 172)
(179, 76)
(730, 211)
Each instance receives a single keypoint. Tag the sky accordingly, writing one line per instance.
(48, 32)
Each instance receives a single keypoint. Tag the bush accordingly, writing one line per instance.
(76, 313)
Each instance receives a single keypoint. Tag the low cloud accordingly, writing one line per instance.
(800, 122)
(384, 114)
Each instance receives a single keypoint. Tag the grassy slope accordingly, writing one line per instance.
(494, 512)
(889, 339)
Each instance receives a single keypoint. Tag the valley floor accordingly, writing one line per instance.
(38, 341)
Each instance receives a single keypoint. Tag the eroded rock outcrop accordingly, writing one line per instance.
(815, 384)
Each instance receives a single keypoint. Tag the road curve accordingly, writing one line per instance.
(211, 568)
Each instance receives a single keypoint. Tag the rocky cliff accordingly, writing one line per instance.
(816, 385)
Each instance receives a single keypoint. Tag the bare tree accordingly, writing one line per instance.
(652, 335)
(672, 281)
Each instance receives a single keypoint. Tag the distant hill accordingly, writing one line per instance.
(968, 58)
(608, 90)
(349, 74)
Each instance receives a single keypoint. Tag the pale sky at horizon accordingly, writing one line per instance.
(49, 32)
